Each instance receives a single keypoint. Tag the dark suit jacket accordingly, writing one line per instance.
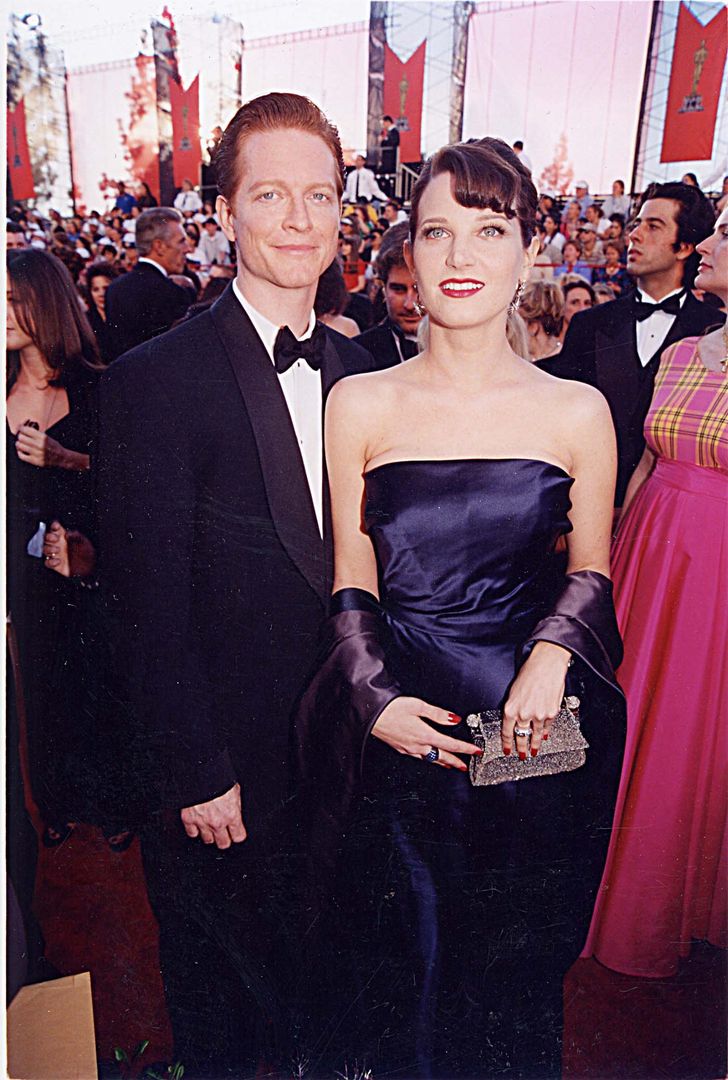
(142, 304)
(215, 574)
(601, 349)
(379, 341)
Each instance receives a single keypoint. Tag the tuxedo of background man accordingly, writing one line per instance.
(216, 544)
(612, 348)
(394, 339)
(145, 302)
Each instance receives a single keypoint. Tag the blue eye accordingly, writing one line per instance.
(435, 232)
(493, 230)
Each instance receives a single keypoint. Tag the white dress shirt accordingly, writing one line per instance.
(362, 182)
(187, 202)
(301, 387)
(651, 332)
(156, 265)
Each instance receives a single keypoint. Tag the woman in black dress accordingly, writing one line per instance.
(53, 365)
(98, 278)
(452, 478)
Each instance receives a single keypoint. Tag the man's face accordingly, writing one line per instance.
(359, 161)
(580, 192)
(390, 213)
(576, 300)
(170, 250)
(15, 240)
(652, 239)
(284, 215)
(210, 228)
(400, 298)
(588, 240)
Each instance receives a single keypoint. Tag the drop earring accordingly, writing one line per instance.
(419, 306)
(513, 306)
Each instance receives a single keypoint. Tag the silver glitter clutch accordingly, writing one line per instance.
(563, 751)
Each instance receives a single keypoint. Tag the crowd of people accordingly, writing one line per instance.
(259, 646)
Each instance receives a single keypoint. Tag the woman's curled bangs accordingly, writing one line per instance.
(486, 174)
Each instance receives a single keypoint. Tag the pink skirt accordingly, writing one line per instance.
(665, 878)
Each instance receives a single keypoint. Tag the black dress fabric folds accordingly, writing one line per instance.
(452, 913)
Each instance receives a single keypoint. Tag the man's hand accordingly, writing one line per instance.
(219, 821)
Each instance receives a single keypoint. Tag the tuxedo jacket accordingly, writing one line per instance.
(215, 575)
(380, 343)
(141, 304)
(601, 349)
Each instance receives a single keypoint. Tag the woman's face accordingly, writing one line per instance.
(15, 336)
(549, 225)
(571, 253)
(713, 269)
(612, 255)
(573, 211)
(577, 300)
(615, 230)
(99, 285)
(466, 261)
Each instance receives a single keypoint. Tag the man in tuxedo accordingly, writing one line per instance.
(617, 347)
(216, 548)
(394, 339)
(145, 302)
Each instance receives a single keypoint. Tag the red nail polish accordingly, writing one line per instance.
(455, 718)
(521, 755)
(533, 752)
(479, 752)
(544, 737)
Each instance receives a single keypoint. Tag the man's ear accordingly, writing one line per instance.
(225, 216)
(407, 252)
(684, 251)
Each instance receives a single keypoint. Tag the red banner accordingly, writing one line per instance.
(186, 152)
(696, 75)
(403, 85)
(21, 174)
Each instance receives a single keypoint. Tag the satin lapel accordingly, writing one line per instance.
(616, 360)
(331, 371)
(286, 485)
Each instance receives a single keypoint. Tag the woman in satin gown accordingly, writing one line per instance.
(452, 477)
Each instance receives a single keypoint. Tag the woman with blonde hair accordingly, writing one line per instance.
(542, 310)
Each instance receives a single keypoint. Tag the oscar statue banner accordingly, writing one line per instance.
(20, 172)
(696, 75)
(403, 85)
(186, 151)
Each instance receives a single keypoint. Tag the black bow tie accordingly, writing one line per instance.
(671, 306)
(288, 349)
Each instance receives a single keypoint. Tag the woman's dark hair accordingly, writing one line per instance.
(48, 310)
(331, 294)
(485, 174)
(195, 227)
(98, 270)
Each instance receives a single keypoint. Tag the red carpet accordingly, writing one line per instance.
(93, 909)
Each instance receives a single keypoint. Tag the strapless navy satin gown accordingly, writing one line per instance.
(479, 899)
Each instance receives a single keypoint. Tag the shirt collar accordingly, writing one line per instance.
(265, 329)
(645, 297)
(144, 259)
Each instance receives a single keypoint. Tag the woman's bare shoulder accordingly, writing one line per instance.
(357, 392)
(580, 399)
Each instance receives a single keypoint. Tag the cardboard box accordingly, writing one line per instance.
(51, 1031)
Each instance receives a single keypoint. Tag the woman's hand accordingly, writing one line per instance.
(68, 552)
(38, 448)
(535, 698)
(402, 727)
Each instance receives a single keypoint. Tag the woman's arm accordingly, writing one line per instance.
(641, 473)
(538, 690)
(40, 449)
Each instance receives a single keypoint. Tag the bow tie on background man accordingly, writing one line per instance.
(288, 349)
(671, 306)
